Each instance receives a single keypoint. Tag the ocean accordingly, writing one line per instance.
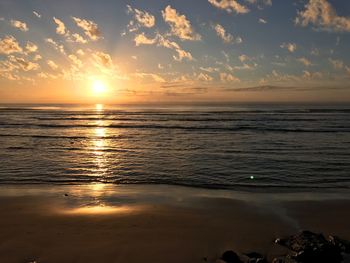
(209, 146)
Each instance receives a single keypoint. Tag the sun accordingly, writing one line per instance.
(99, 87)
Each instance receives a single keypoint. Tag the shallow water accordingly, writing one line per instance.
(230, 147)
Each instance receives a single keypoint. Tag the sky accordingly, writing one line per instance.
(83, 51)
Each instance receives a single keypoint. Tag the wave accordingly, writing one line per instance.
(172, 111)
(335, 129)
(19, 148)
(63, 137)
(186, 119)
(238, 186)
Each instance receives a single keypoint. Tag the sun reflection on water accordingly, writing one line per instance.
(99, 144)
(99, 107)
(97, 188)
(99, 209)
(100, 131)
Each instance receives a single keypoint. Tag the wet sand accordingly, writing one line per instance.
(103, 223)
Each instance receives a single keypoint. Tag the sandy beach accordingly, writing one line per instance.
(213, 131)
(103, 223)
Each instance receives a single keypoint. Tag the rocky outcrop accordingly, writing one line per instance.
(304, 247)
(309, 247)
(230, 257)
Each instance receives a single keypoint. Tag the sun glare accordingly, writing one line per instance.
(99, 107)
(99, 87)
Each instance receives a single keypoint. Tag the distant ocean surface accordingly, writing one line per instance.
(228, 147)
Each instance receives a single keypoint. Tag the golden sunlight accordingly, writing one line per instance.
(99, 107)
(99, 87)
(100, 209)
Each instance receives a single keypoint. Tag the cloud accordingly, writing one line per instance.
(90, 28)
(182, 54)
(221, 32)
(311, 88)
(227, 77)
(179, 82)
(209, 69)
(6, 70)
(164, 42)
(278, 77)
(204, 77)
(80, 52)
(9, 45)
(291, 47)
(230, 6)
(143, 18)
(19, 25)
(311, 75)
(288, 88)
(227, 57)
(61, 28)
(180, 26)
(226, 37)
(103, 59)
(9, 75)
(262, 21)
(77, 38)
(151, 76)
(305, 61)
(52, 65)
(37, 14)
(262, 88)
(6, 66)
(24, 64)
(31, 47)
(142, 39)
(57, 46)
(37, 57)
(347, 69)
(75, 60)
(337, 64)
(243, 58)
(159, 40)
(323, 16)
(245, 67)
(263, 2)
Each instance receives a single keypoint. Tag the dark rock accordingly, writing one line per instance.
(278, 260)
(311, 248)
(305, 240)
(277, 240)
(65, 194)
(342, 244)
(255, 257)
(286, 259)
(230, 257)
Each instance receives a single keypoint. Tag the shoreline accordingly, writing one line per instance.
(103, 223)
(249, 189)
